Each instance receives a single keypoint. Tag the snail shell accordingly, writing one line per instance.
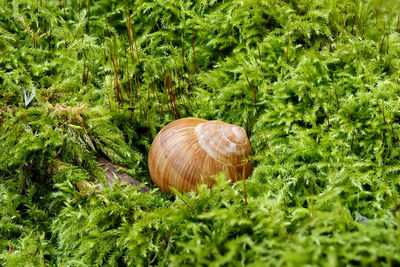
(187, 152)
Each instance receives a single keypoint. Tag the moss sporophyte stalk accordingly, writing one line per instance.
(314, 84)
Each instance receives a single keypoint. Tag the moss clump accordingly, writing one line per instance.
(314, 83)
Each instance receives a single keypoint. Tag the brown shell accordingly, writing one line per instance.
(187, 152)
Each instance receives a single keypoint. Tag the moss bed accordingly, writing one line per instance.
(316, 85)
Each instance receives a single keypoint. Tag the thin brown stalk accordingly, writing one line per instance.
(172, 95)
(180, 90)
(352, 140)
(128, 85)
(266, 141)
(130, 95)
(398, 23)
(248, 131)
(186, 93)
(88, 17)
(337, 99)
(247, 78)
(104, 51)
(183, 51)
(104, 63)
(148, 92)
(119, 95)
(187, 88)
(383, 37)
(175, 104)
(115, 64)
(184, 104)
(194, 53)
(376, 14)
(383, 112)
(90, 68)
(108, 29)
(255, 90)
(287, 48)
(166, 91)
(162, 109)
(136, 93)
(252, 88)
(354, 21)
(84, 74)
(49, 40)
(128, 25)
(359, 21)
(189, 84)
(155, 92)
(134, 38)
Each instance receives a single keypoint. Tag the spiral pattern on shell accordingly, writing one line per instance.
(189, 151)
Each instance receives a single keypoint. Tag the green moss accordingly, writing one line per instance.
(314, 83)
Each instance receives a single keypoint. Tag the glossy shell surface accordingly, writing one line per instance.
(189, 151)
